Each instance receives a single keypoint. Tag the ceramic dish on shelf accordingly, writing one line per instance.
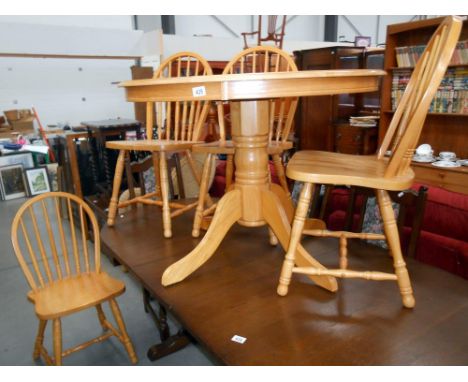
(445, 164)
(423, 158)
(446, 159)
(463, 162)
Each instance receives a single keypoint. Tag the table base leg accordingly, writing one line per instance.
(227, 213)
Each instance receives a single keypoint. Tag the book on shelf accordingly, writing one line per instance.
(408, 56)
(451, 96)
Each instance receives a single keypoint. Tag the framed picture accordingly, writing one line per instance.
(12, 182)
(26, 159)
(362, 41)
(52, 169)
(38, 180)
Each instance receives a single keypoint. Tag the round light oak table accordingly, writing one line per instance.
(252, 201)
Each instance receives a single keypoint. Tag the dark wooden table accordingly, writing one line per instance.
(363, 323)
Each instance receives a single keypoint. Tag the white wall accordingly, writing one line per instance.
(297, 28)
(66, 90)
(369, 25)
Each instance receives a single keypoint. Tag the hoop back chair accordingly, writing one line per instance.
(271, 31)
(260, 59)
(63, 275)
(375, 172)
(178, 128)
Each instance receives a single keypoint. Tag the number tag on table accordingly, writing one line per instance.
(238, 339)
(199, 91)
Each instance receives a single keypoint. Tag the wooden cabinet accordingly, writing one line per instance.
(316, 116)
(443, 131)
(356, 140)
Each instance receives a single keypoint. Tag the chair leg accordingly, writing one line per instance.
(166, 211)
(123, 331)
(296, 232)
(57, 338)
(157, 177)
(39, 339)
(202, 196)
(101, 316)
(280, 173)
(229, 170)
(119, 167)
(391, 232)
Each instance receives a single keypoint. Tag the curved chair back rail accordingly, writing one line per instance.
(264, 59)
(62, 248)
(178, 121)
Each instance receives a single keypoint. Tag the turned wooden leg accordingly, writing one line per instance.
(57, 338)
(343, 252)
(393, 240)
(39, 339)
(296, 233)
(280, 173)
(123, 331)
(272, 236)
(166, 211)
(101, 316)
(119, 167)
(229, 170)
(157, 175)
(202, 196)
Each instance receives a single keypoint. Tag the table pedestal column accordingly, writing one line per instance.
(252, 202)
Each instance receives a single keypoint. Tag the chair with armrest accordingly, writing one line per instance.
(252, 60)
(271, 31)
(50, 241)
(377, 172)
(179, 125)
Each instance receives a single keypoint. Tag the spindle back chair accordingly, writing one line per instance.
(259, 59)
(49, 237)
(375, 172)
(171, 127)
(273, 32)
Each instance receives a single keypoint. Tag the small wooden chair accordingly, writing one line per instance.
(179, 125)
(271, 34)
(64, 278)
(252, 60)
(375, 172)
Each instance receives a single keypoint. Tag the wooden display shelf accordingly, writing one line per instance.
(443, 131)
(441, 114)
(453, 179)
(412, 67)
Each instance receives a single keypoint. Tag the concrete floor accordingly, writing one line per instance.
(18, 323)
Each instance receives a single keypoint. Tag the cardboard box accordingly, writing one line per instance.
(20, 120)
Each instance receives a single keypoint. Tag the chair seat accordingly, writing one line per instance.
(151, 145)
(228, 147)
(345, 169)
(73, 294)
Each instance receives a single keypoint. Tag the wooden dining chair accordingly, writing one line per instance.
(178, 128)
(274, 31)
(260, 59)
(375, 172)
(50, 241)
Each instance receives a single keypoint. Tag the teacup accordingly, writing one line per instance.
(447, 155)
(424, 150)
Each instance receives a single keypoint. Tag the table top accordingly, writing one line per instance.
(253, 85)
(234, 293)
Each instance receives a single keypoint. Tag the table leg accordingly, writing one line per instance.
(253, 202)
(227, 213)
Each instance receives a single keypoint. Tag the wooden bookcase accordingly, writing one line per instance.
(316, 116)
(443, 131)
